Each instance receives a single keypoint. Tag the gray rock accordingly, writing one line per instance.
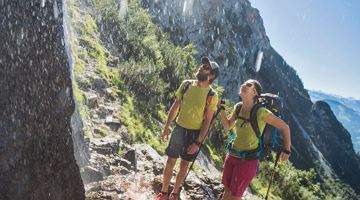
(158, 169)
(36, 104)
(122, 170)
(91, 100)
(91, 174)
(102, 111)
(113, 123)
(112, 120)
(99, 84)
(149, 153)
(106, 145)
(109, 93)
(81, 147)
(207, 165)
(130, 155)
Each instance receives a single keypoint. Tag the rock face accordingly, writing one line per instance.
(232, 33)
(332, 134)
(346, 110)
(81, 147)
(36, 103)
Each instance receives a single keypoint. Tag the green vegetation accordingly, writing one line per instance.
(147, 70)
(144, 75)
(102, 131)
(292, 183)
(289, 183)
(80, 99)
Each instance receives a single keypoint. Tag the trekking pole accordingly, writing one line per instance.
(273, 172)
(197, 153)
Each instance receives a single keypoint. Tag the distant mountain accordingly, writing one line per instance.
(346, 110)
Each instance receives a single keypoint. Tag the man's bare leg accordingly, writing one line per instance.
(167, 174)
(184, 165)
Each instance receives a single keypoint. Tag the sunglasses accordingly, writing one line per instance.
(206, 67)
(248, 84)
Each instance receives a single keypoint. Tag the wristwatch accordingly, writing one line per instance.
(286, 152)
(197, 142)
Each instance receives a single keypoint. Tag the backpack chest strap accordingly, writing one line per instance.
(244, 121)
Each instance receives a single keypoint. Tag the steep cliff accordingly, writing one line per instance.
(232, 33)
(36, 103)
(334, 141)
(346, 110)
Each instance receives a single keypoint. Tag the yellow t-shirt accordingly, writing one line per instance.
(193, 104)
(246, 138)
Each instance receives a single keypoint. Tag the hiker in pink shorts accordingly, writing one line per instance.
(240, 170)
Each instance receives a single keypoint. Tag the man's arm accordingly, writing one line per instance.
(205, 124)
(194, 147)
(171, 116)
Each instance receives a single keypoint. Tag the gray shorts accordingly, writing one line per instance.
(181, 138)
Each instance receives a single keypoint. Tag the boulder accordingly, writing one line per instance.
(91, 174)
(37, 159)
(91, 100)
(99, 84)
(107, 145)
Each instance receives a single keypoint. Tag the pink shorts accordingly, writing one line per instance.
(238, 174)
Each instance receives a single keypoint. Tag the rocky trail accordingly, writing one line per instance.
(120, 170)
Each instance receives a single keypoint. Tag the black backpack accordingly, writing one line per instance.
(269, 139)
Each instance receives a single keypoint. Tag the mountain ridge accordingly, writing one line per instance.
(345, 110)
(237, 54)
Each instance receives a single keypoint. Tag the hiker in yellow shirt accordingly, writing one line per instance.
(192, 111)
(239, 171)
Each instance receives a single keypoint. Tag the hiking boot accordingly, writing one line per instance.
(174, 196)
(161, 196)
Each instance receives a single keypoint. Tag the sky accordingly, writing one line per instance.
(320, 39)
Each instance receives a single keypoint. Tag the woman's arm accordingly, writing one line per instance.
(285, 130)
(228, 123)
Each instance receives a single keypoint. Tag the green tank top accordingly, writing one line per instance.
(246, 138)
(193, 105)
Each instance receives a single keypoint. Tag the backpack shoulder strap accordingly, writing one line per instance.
(238, 109)
(254, 121)
(187, 85)
(209, 97)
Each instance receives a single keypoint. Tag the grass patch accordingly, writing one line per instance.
(142, 128)
(216, 157)
(260, 189)
(91, 38)
(103, 132)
